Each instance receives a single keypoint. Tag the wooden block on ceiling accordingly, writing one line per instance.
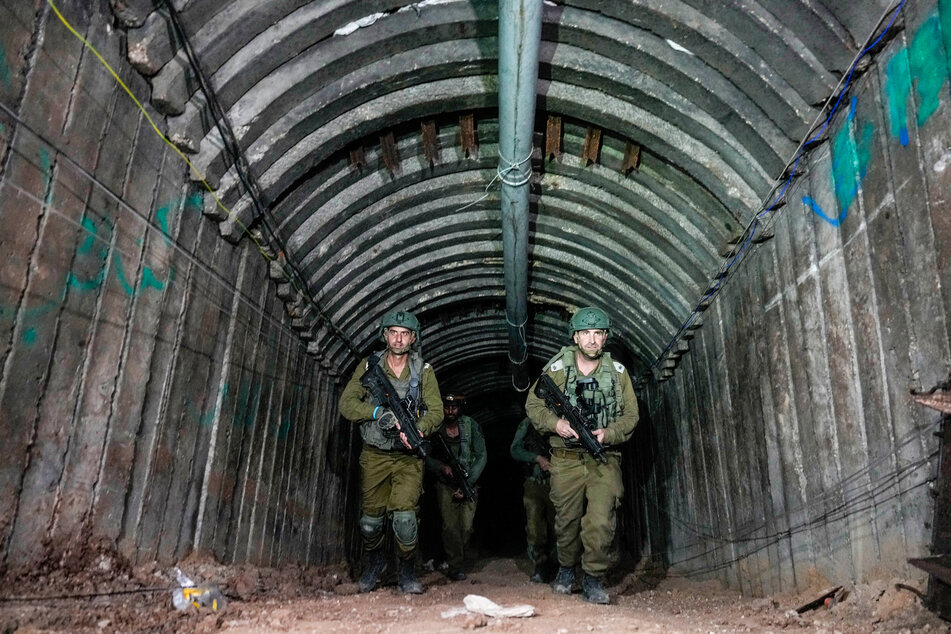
(632, 158)
(467, 135)
(357, 158)
(430, 142)
(553, 138)
(391, 155)
(592, 146)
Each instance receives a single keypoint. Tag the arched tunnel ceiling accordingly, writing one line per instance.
(356, 116)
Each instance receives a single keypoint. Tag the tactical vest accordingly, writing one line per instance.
(605, 401)
(534, 442)
(464, 441)
(411, 386)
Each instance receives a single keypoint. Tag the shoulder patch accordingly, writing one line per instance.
(619, 367)
(557, 365)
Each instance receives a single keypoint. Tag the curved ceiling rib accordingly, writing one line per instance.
(371, 128)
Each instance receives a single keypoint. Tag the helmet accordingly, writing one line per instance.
(454, 399)
(588, 318)
(402, 318)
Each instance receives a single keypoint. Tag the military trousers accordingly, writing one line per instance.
(457, 519)
(539, 520)
(391, 481)
(586, 495)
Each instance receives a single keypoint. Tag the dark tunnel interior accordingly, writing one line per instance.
(208, 206)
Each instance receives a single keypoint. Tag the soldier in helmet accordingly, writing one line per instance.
(531, 450)
(392, 476)
(463, 437)
(586, 493)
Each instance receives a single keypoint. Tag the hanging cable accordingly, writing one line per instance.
(242, 169)
(782, 186)
(292, 274)
(123, 204)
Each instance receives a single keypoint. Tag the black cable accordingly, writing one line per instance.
(789, 171)
(88, 595)
(21, 123)
(243, 171)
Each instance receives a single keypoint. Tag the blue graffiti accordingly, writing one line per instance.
(812, 204)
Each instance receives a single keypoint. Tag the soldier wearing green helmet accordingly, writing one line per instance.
(392, 476)
(586, 493)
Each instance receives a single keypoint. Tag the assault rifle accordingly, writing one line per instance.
(375, 380)
(459, 473)
(579, 421)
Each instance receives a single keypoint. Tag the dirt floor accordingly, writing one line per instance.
(112, 597)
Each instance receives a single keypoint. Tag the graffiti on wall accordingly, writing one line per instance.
(914, 75)
(92, 266)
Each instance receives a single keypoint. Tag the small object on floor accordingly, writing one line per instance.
(482, 605)
(191, 595)
(834, 593)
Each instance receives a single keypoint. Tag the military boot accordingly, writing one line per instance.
(538, 574)
(563, 580)
(594, 591)
(408, 582)
(372, 570)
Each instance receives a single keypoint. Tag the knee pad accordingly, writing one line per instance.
(404, 526)
(371, 527)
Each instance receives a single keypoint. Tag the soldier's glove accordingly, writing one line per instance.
(387, 421)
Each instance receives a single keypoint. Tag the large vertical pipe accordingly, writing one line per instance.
(520, 31)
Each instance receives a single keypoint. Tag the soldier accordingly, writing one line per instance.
(585, 492)
(456, 495)
(392, 476)
(531, 450)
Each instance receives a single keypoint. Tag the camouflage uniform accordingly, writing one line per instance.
(586, 493)
(458, 515)
(536, 496)
(392, 477)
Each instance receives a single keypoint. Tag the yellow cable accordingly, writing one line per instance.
(155, 127)
(260, 247)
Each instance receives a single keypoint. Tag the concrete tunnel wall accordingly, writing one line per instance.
(155, 397)
(787, 448)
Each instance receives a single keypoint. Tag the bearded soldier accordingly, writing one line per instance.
(392, 476)
(585, 492)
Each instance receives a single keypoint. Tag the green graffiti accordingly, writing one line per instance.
(120, 273)
(926, 49)
(161, 215)
(850, 158)
(196, 201)
(944, 10)
(149, 281)
(897, 87)
(844, 178)
(46, 164)
(29, 336)
(863, 147)
(5, 76)
(923, 64)
(90, 240)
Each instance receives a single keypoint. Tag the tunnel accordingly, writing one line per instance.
(209, 205)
